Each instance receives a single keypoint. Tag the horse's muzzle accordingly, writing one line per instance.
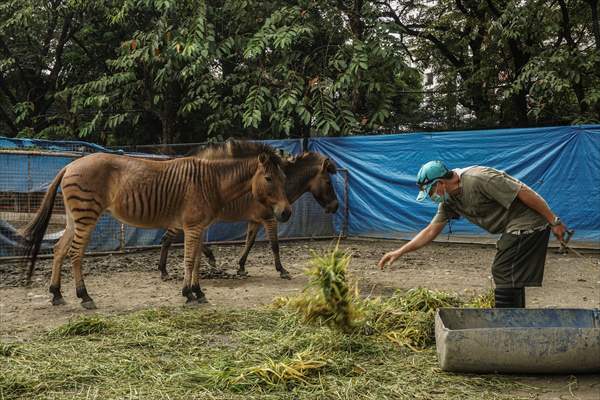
(283, 215)
(332, 207)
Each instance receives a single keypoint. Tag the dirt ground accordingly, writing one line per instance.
(123, 283)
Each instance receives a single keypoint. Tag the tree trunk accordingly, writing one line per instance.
(578, 87)
(519, 99)
(519, 110)
(595, 22)
(479, 101)
(481, 104)
(168, 128)
(4, 117)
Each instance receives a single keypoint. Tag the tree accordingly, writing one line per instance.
(156, 73)
(325, 68)
(161, 71)
(505, 59)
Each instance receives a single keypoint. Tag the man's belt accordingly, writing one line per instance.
(527, 231)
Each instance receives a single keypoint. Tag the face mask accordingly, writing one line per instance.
(440, 199)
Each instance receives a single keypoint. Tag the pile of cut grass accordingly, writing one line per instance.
(328, 298)
(207, 354)
(404, 319)
(268, 353)
(408, 319)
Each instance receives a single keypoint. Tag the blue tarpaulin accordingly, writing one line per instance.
(560, 163)
(23, 173)
(53, 145)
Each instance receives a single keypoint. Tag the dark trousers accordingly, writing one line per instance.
(519, 263)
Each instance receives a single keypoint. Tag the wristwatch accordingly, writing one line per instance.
(555, 222)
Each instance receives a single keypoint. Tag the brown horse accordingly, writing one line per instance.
(186, 193)
(309, 172)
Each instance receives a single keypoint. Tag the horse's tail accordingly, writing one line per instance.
(33, 233)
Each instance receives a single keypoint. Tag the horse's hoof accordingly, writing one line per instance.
(242, 272)
(88, 305)
(165, 277)
(202, 300)
(192, 303)
(59, 301)
(285, 275)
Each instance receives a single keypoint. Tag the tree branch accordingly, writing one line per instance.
(49, 35)
(566, 24)
(9, 54)
(8, 121)
(79, 43)
(595, 22)
(7, 92)
(443, 48)
(64, 35)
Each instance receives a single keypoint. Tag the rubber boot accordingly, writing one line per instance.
(510, 297)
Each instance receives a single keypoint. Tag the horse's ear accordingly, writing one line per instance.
(328, 166)
(263, 158)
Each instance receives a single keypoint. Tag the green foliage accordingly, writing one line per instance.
(118, 72)
(505, 63)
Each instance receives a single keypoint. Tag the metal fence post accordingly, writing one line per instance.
(346, 202)
(122, 238)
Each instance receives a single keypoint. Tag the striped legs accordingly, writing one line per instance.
(271, 230)
(193, 236)
(250, 238)
(84, 226)
(61, 248)
(207, 251)
(165, 241)
(78, 231)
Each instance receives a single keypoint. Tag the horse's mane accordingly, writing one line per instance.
(311, 159)
(236, 149)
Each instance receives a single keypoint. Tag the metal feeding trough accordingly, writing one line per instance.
(517, 340)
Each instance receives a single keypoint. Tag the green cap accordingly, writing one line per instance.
(429, 174)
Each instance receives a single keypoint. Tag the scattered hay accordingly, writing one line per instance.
(296, 369)
(485, 300)
(404, 319)
(351, 351)
(268, 354)
(8, 349)
(408, 320)
(85, 325)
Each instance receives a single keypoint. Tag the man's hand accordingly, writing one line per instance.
(389, 258)
(559, 231)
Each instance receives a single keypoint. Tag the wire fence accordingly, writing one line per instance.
(27, 172)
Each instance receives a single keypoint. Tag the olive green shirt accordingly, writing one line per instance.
(488, 198)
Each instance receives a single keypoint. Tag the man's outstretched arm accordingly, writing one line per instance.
(423, 238)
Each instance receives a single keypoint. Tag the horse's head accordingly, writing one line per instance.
(268, 181)
(321, 186)
(268, 186)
